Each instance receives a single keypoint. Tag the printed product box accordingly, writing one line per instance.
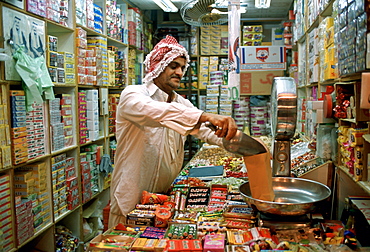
(214, 243)
(257, 82)
(263, 58)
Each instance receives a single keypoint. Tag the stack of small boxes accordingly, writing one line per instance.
(61, 65)
(203, 77)
(131, 66)
(56, 11)
(73, 199)
(93, 155)
(56, 125)
(61, 73)
(90, 159)
(89, 14)
(193, 41)
(259, 120)
(100, 47)
(135, 28)
(312, 11)
(35, 122)
(64, 12)
(225, 104)
(351, 31)
(148, 37)
(69, 67)
(111, 65)
(212, 98)
(65, 184)
(207, 66)
(5, 147)
(139, 30)
(81, 9)
(98, 19)
(313, 55)
(92, 114)
(37, 7)
(24, 220)
(82, 108)
(85, 178)
(131, 23)
(252, 35)
(214, 40)
(328, 53)
(114, 20)
(18, 127)
(58, 173)
(113, 100)
(5, 214)
(61, 121)
(53, 58)
(81, 44)
(193, 68)
(120, 69)
(31, 185)
(67, 118)
(241, 113)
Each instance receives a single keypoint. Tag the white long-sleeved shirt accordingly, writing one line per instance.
(150, 135)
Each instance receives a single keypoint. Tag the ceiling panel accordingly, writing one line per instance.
(279, 9)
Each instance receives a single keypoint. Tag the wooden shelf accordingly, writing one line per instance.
(365, 185)
(54, 196)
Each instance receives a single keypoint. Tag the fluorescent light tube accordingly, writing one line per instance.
(166, 5)
(262, 4)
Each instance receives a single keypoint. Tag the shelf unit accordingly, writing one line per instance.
(56, 207)
(326, 85)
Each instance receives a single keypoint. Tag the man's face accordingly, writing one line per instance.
(16, 23)
(170, 78)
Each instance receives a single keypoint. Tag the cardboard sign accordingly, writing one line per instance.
(257, 82)
(263, 58)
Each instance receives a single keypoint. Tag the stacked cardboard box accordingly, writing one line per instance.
(328, 54)
(5, 214)
(18, 126)
(31, 184)
(252, 35)
(214, 40)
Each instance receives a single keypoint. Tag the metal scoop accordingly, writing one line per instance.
(241, 144)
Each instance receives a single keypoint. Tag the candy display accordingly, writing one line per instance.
(211, 215)
(65, 240)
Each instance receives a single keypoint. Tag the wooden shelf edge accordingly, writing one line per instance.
(365, 185)
(60, 217)
(36, 234)
(64, 150)
(366, 137)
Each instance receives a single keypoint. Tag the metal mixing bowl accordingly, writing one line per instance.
(293, 196)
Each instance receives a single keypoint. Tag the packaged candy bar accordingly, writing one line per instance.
(153, 198)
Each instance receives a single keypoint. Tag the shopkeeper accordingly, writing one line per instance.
(151, 128)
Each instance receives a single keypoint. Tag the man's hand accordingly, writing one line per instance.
(225, 125)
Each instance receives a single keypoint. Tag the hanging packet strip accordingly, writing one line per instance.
(34, 73)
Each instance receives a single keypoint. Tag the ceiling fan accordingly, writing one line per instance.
(204, 12)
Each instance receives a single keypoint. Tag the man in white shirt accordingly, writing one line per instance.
(17, 36)
(151, 127)
(36, 44)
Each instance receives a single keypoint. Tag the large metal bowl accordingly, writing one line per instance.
(293, 196)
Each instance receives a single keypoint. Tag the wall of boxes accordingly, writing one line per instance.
(252, 35)
(332, 85)
(214, 40)
(53, 148)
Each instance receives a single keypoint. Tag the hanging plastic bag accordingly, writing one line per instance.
(37, 82)
(106, 165)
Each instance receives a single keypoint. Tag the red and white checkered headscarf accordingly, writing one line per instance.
(163, 54)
